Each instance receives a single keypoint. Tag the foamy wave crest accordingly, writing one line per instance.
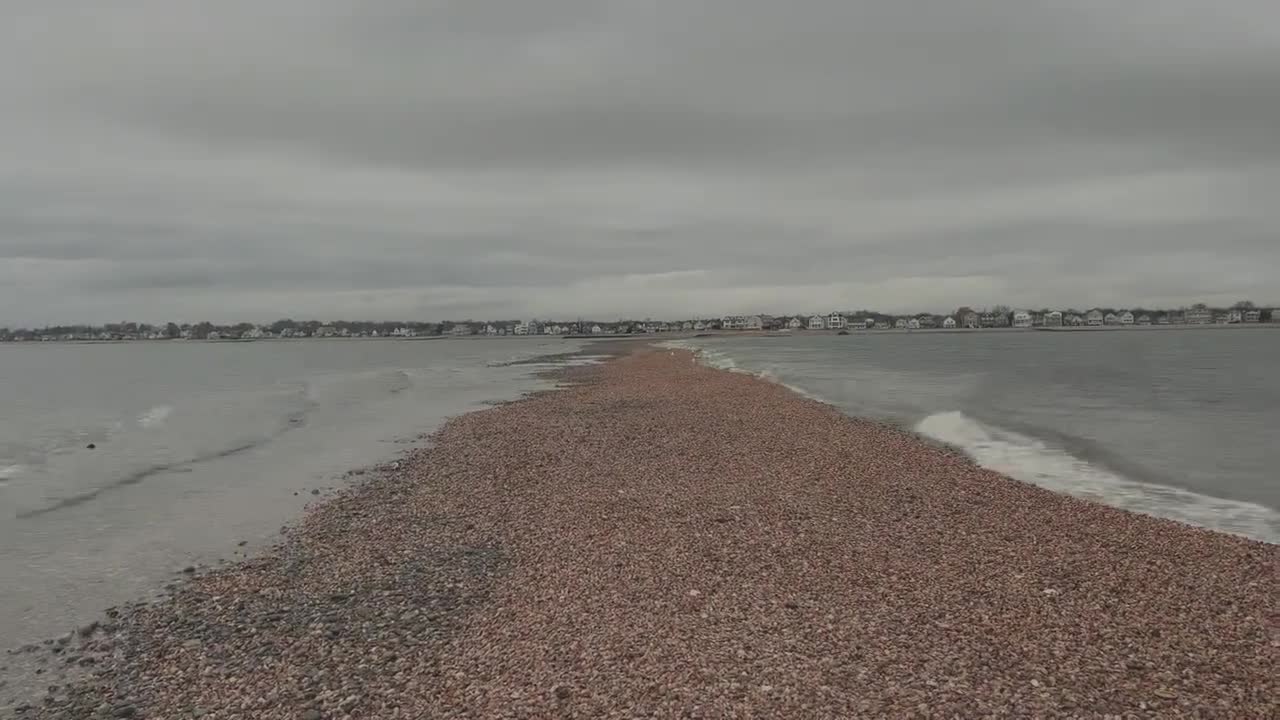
(8, 472)
(155, 416)
(1031, 460)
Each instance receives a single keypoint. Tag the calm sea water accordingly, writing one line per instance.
(200, 446)
(1181, 424)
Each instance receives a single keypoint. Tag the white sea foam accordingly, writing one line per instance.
(8, 472)
(155, 416)
(1034, 461)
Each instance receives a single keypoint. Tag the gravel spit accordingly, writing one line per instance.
(660, 539)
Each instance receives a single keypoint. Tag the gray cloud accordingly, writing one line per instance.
(247, 160)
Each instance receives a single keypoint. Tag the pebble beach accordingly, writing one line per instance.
(656, 538)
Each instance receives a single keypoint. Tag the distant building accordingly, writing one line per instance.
(1199, 316)
(755, 322)
(1053, 318)
(1235, 316)
(733, 322)
(927, 321)
(795, 323)
(1144, 319)
(1111, 319)
(1126, 318)
(835, 321)
(817, 322)
(1095, 318)
(699, 325)
(970, 320)
(900, 323)
(1022, 319)
(913, 324)
(1252, 316)
(949, 323)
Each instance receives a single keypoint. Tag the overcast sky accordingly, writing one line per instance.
(410, 159)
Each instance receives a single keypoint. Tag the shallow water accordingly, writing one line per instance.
(199, 446)
(1179, 424)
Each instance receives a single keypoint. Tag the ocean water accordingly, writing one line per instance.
(199, 446)
(1180, 424)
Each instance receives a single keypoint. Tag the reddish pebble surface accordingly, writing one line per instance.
(661, 539)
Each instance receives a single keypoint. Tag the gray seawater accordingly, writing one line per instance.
(1183, 424)
(200, 446)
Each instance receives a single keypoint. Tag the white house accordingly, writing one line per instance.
(1022, 319)
(522, 327)
(794, 323)
(1095, 318)
(1053, 318)
(927, 321)
(949, 323)
(1252, 316)
(1199, 316)
(699, 325)
(733, 322)
(1236, 315)
(755, 322)
(900, 323)
(817, 322)
(1126, 318)
(913, 324)
(1111, 319)
(835, 321)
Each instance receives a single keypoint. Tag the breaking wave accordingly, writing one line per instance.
(1034, 461)
(155, 416)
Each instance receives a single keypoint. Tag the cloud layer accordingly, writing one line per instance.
(431, 160)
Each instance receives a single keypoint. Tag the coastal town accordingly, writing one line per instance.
(962, 319)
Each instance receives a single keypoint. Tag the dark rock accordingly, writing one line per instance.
(242, 543)
(315, 492)
(563, 692)
(124, 711)
(188, 570)
(791, 605)
(89, 629)
(90, 446)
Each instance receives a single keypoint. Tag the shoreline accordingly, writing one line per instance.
(1258, 533)
(656, 535)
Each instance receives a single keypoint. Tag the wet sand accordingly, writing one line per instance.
(664, 539)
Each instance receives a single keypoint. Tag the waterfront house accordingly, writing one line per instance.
(1111, 319)
(927, 321)
(1199, 316)
(1022, 319)
(817, 322)
(1235, 316)
(699, 326)
(215, 335)
(835, 321)
(1053, 318)
(1161, 319)
(1144, 319)
(795, 323)
(900, 323)
(1252, 316)
(1095, 318)
(755, 322)
(1126, 318)
(733, 322)
(949, 323)
(913, 324)
(969, 320)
